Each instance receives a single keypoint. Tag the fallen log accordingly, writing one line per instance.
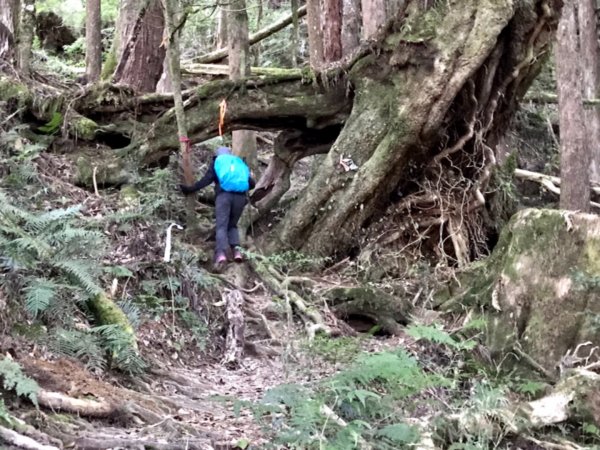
(223, 69)
(89, 408)
(234, 302)
(254, 38)
(550, 183)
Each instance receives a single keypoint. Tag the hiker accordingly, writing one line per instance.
(232, 180)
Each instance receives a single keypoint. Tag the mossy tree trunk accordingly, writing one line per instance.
(9, 24)
(26, 33)
(439, 90)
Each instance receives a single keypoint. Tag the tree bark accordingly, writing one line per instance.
(575, 159)
(221, 41)
(315, 33)
(332, 30)
(26, 33)
(373, 15)
(9, 24)
(140, 53)
(590, 64)
(243, 141)
(93, 40)
(351, 24)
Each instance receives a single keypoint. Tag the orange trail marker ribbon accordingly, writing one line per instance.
(222, 112)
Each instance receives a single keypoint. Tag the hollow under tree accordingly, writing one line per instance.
(413, 119)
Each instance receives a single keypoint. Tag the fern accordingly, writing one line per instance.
(14, 379)
(436, 335)
(120, 348)
(83, 346)
(39, 294)
(82, 273)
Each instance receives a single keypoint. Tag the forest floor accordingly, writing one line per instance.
(187, 397)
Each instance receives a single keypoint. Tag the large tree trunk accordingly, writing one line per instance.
(374, 16)
(575, 159)
(315, 33)
(93, 40)
(140, 54)
(351, 24)
(243, 141)
(590, 64)
(26, 33)
(479, 59)
(332, 30)
(9, 24)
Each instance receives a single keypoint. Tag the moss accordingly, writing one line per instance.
(83, 128)
(107, 312)
(10, 90)
(110, 170)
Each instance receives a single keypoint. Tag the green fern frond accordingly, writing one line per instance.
(15, 379)
(81, 272)
(39, 294)
(83, 346)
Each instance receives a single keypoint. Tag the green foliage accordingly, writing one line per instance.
(117, 343)
(399, 433)
(53, 125)
(363, 397)
(14, 379)
(342, 350)
(54, 258)
(99, 348)
(289, 262)
(438, 336)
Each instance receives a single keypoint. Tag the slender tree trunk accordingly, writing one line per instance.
(295, 33)
(26, 33)
(243, 141)
(9, 25)
(315, 33)
(140, 55)
(93, 40)
(590, 63)
(351, 24)
(374, 16)
(221, 28)
(575, 159)
(332, 30)
(172, 14)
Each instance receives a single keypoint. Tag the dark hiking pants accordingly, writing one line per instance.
(229, 207)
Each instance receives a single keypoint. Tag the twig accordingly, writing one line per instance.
(95, 181)
(533, 363)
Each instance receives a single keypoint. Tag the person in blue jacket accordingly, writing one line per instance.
(233, 180)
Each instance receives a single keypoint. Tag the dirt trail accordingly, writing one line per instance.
(175, 408)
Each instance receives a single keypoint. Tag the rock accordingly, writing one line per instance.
(540, 287)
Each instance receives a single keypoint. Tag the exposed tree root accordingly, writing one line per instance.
(235, 329)
(60, 402)
(313, 320)
(18, 440)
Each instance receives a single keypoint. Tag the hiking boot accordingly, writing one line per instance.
(237, 256)
(220, 259)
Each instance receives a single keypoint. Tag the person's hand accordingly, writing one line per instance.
(185, 189)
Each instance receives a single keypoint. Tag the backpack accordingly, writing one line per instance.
(233, 173)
